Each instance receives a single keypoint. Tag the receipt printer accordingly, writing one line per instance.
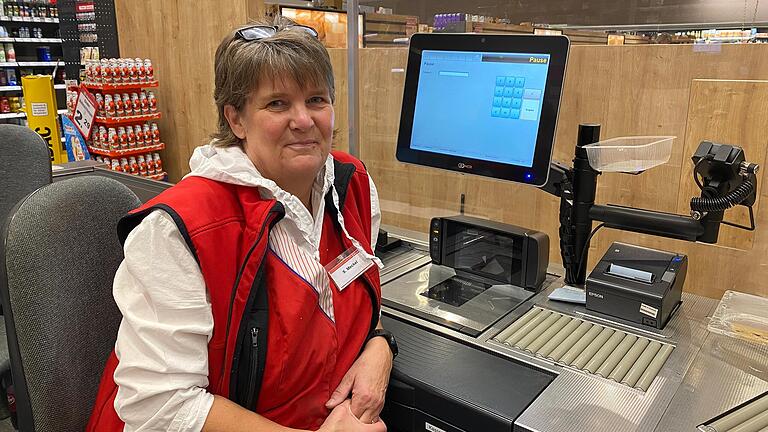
(637, 284)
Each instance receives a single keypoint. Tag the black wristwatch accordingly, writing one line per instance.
(386, 334)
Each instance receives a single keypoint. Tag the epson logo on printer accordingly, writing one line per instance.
(462, 165)
(432, 428)
(594, 294)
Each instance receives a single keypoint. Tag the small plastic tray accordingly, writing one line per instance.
(629, 154)
(742, 316)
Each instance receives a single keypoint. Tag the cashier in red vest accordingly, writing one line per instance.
(267, 209)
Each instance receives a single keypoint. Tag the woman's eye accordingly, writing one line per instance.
(317, 100)
(276, 104)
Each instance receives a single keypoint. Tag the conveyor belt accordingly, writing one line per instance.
(752, 417)
(593, 348)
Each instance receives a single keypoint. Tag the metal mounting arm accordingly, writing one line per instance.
(728, 180)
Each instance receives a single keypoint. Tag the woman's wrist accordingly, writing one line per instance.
(379, 344)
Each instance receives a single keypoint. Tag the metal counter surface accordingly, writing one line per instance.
(704, 376)
(726, 373)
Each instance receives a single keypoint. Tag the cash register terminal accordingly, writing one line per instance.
(484, 105)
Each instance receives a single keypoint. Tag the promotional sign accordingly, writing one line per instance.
(40, 102)
(85, 112)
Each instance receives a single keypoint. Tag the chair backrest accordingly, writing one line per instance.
(59, 255)
(24, 166)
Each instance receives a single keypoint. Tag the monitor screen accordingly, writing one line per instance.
(483, 104)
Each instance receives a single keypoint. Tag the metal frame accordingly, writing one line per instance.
(352, 77)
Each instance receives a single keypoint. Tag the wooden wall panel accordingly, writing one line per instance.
(340, 106)
(254, 9)
(181, 38)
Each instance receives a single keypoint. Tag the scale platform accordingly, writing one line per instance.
(462, 301)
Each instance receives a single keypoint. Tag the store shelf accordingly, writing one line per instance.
(12, 115)
(115, 121)
(34, 40)
(28, 19)
(40, 63)
(30, 40)
(128, 152)
(121, 86)
(18, 88)
(31, 64)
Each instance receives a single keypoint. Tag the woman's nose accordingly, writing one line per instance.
(301, 119)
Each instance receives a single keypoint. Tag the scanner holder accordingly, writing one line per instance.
(727, 180)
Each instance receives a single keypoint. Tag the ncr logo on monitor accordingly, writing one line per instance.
(462, 165)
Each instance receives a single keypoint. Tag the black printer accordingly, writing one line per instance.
(637, 284)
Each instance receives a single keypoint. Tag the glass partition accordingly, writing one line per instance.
(641, 68)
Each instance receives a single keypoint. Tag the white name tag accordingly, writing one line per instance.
(347, 267)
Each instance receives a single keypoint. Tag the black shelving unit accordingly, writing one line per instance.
(106, 31)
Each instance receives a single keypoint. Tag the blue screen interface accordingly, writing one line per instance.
(484, 106)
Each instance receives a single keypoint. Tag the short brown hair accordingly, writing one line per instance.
(241, 66)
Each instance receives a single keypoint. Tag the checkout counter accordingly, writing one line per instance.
(483, 344)
(445, 379)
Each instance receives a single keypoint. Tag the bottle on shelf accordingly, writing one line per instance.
(12, 80)
(5, 105)
(10, 53)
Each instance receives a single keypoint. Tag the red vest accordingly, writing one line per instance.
(227, 229)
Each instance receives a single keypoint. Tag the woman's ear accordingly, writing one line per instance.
(235, 122)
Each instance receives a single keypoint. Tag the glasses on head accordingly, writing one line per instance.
(259, 32)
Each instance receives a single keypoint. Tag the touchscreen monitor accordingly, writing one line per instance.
(483, 104)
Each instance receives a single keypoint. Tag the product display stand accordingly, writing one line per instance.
(124, 135)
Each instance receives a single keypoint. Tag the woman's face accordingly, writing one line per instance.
(286, 130)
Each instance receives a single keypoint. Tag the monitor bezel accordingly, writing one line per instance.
(556, 46)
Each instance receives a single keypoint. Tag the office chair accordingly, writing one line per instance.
(58, 255)
(25, 166)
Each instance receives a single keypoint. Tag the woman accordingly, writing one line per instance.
(235, 317)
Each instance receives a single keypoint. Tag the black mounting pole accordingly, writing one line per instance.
(584, 190)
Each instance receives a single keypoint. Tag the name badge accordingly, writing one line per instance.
(347, 267)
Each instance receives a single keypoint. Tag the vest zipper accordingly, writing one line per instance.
(254, 366)
(273, 215)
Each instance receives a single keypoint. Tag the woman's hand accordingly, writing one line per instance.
(341, 419)
(367, 380)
